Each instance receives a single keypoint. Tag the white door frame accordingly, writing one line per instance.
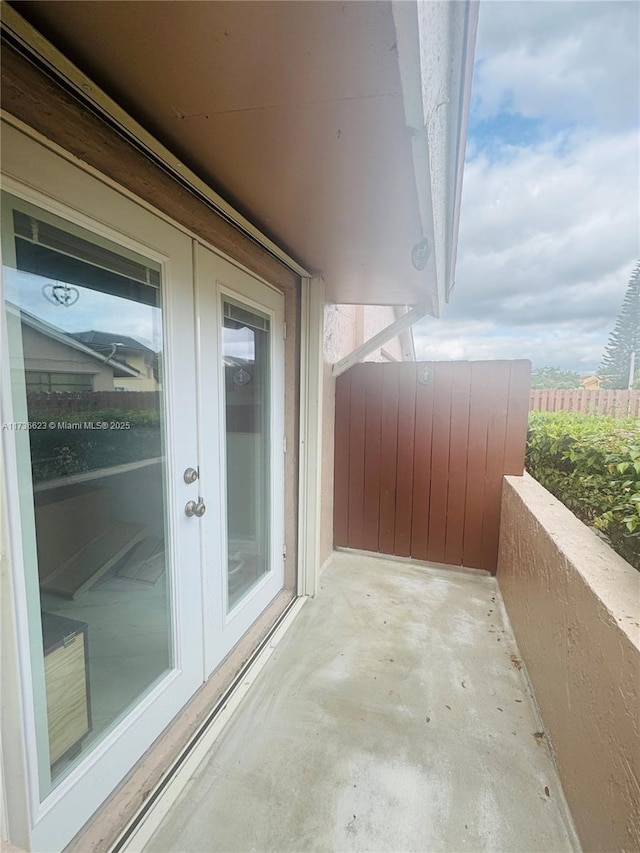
(311, 438)
(217, 278)
(42, 165)
(54, 185)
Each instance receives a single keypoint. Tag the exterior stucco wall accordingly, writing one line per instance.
(347, 326)
(573, 604)
(375, 318)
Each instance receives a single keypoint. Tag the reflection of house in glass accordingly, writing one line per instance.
(95, 463)
(128, 352)
(58, 361)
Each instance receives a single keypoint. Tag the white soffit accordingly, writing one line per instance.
(302, 116)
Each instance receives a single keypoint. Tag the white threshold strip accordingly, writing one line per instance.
(137, 834)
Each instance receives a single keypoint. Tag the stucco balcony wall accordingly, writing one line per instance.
(574, 607)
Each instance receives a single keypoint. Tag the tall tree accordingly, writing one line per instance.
(624, 340)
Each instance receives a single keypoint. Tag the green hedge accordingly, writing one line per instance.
(592, 464)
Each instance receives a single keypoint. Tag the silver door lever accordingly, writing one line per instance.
(192, 508)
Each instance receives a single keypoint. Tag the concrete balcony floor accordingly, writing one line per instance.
(394, 716)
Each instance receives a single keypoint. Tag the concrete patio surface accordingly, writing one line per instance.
(394, 716)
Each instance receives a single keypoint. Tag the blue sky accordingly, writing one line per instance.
(550, 223)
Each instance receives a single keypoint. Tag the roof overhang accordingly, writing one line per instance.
(337, 129)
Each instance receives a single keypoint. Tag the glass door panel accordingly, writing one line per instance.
(241, 394)
(85, 333)
(245, 357)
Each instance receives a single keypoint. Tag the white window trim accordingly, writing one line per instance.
(310, 450)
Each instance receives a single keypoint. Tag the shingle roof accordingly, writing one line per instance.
(108, 339)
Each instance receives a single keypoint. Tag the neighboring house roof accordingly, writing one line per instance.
(108, 339)
(119, 368)
(338, 129)
(590, 382)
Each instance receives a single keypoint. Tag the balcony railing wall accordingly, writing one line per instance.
(573, 605)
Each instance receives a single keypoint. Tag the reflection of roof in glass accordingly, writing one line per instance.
(108, 339)
(121, 368)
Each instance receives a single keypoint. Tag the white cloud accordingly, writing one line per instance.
(567, 346)
(548, 241)
(545, 189)
(549, 231)
(546, 226)
(572, 61)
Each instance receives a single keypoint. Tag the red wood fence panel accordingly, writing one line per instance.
(420, 452)
(481, 377)
(440, 457)
(619, 404)
(458, 461)
(341, 457)
(406, 433)
(356, 462)
(388, 460)
(372, 437)
(498, 397)
(421, 472)
(517, 417)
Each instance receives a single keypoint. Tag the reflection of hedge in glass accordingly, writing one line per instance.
(592, 464)
(64, 451)
(52, 403)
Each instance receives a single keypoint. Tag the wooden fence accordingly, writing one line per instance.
(420, 453)
(620, 404)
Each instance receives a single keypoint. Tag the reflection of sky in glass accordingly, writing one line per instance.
(238, 343)
(101, 312)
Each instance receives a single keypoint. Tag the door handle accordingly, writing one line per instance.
(192, 508)
(190, 476)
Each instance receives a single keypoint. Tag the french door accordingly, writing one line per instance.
(241, 394)
(142, 434)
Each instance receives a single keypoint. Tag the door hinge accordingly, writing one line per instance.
(284, 444)
(284, 331)
(284, 552)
